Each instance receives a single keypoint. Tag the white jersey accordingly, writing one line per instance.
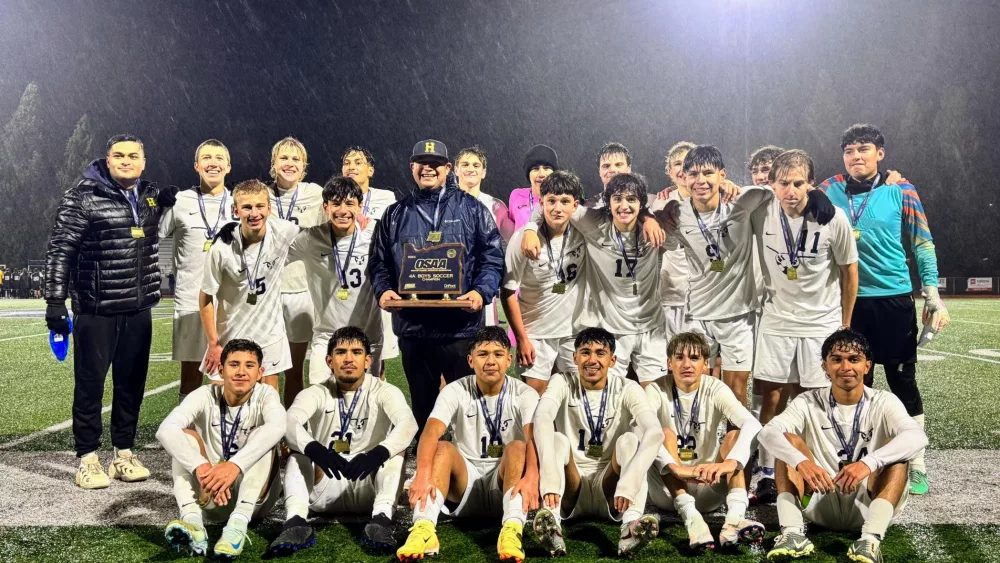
(808, 306)
(376, 201)
(459, 406)
(192, 230)
(716, 404)
(883, 417)
(380, 417)
(675, 270)
(226, 277)
(563, 260)
(732, 292)
(204, 410)
(313, 248)
(625, 400)
(304, 207)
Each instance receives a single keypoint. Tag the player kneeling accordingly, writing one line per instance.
(222, 440)
(592, 464)
(842, 451)
(690, 407)
(491, 467)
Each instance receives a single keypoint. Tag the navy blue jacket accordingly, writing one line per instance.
(462, 219)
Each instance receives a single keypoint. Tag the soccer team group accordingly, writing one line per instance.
(637, 321)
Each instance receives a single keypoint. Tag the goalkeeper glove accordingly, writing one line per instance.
(935, 316)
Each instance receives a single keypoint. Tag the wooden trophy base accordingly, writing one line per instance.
(431, 303)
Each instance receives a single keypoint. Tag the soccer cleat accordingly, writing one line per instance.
(699, 536)
(231, 544)
(295, 535)
(90, 474)
(509, 542)
(918, 482)
(187, 538)
(792, 545)
(379, 533)
(767, 491)
(865, 551)
(637, 534)
(548, 532)
(746, 532)
(422, 542)
(127, 467)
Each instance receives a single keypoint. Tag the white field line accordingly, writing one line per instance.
(8, 339)
(67, 423)
(987, 360)
(974, 322)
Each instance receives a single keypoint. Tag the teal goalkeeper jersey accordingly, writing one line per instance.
(891, 210)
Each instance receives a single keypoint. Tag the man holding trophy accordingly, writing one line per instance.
(437, 258)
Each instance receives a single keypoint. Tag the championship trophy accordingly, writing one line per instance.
(435, 272)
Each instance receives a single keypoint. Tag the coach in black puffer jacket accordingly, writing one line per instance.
(103, 254)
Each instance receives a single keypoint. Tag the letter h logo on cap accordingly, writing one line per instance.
(429, 146)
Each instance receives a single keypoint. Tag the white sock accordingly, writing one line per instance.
(630, 515)
(299, 478)
(736, 503)
(194, 518)
(789, 513)
(684, 505)
(766, 461)
(756, 402)
(918, 461)
(251, 486)
(431, 510)
(387, 482)
(239, 521)
(879, 514)
(513, 508)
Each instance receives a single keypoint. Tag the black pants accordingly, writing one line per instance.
(425, 360)
(120, 342)
(890, 325)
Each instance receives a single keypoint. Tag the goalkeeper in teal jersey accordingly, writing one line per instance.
(885, 311)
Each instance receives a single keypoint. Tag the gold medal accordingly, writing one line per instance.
(792, 272)
(342, 294)
(687, 454)
(434, 236)
(857, 234)
(494, 450)
(252, 299)
(595, 451)
(207, 246)
(341, 446)
(137, 232)
(717, 265)
(635, 289)
(559, 288)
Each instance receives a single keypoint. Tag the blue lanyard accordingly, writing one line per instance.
(243, 255)
(133, 203)
(596, 429)
(792, 245)
(346, 414)
(856, 217)
(630, 266)
(848, 447)
(211, 229)
(368, 197)
(342, 270)
(562, 252)
(437, 210)
(713, 245)
(228, 439)
(690, 426)
(493, 426)
(291, 204)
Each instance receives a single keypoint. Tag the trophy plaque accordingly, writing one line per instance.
(435, 272)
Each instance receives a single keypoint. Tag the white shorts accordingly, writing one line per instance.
(320, 372)
(214, 514)
(549, 352)
(677, 321)
(390, 343)
(592, 501)
(342, 496)
(707, 498)
(277, 358)
(189, 342)
(647, 352)
(787, 359)
(298, 311)
(842, 512)
(482, 496)
(732, 337)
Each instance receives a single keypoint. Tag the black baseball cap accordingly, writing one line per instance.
(430, 148)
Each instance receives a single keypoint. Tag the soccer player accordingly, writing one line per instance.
(842, 452)
(335, 255)
(301, 203)
(240, 293)
(691, 405)
(717, 239)
(885, 312)
(222, 440)
(351, 430)
(490, 468)
(193, 222)
(613, 159)
(674, 270)
(540, 161)
(470, 167)
(760, 164)
(591, 461)
(811, 278)
(545, 299)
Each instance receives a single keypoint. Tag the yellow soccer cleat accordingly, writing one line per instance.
(90, 474)
(509, 542)
(422, 542)
(127, 467)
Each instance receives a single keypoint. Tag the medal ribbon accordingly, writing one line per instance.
(792, 245)
(437, 210)
(133, 204)
(493, 426)
(720, 218)
(230, 439)
(243, 255)
(211, 229)
(368, 198)
(347, 413)
(291, 204)
(342, 270)
(596, 429)
(847, 453)
(630, 266)
(855, 217)
(686, 429)
(562, 252)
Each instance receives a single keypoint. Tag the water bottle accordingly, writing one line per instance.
(60, 342)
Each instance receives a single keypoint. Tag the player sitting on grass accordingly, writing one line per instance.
(842, 451)
(691, 405)
(490, 469)
(352, 430)
(551, 301)
(222, 440)
(591, 461)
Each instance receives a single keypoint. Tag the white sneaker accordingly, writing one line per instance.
(91, 475)
(127, 467)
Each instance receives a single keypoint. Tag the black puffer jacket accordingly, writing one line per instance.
(92, 255)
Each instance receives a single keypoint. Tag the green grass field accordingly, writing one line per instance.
(958, 375)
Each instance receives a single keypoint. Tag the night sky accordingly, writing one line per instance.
(506, 75)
